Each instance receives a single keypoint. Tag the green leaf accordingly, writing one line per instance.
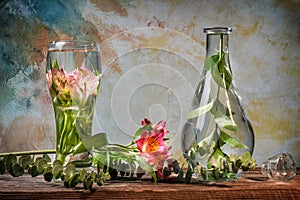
(57, 171)
(207, 145)
(211, 62)
(246, 156)
(32, 170)
(189, 173)
(25, 161)
(69, 171)
(146, 166)
(96, 141)
(141, 130)
(216, 158)
(74, 180)
(87, 162)
(48, 174)
(203, 172)
(2, 166)
(225, 72)
(16, 170)
(93, 175)
(57, 163)
(41, 164)
(143, 163)
(9, 161)
(38, 159)
(66, 183)
(216, 173)
(226, 123)
(220, 70)
(218, 109)
(176, 166)
(231, 141)
(46, 157)
(99, 158)
(201, 110)
(83, 175)
(55, 65)
(88, 183)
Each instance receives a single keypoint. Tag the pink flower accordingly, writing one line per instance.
(76, 86)
(72, 76)
(152, 145)
(83, 83)
(160, 127)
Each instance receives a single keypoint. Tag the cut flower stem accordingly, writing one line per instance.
(23, 153)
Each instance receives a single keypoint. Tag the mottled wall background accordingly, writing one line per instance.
(152, 53)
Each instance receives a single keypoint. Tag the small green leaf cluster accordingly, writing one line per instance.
(72, 176)
(228, 168)
(16, 166)
(10, 164)
(42, 165)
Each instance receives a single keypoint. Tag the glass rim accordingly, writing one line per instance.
(217, 30)
(72, 45)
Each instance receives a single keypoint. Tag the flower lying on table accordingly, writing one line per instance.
(147, 152)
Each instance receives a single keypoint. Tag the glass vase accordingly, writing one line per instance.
(217, 138)
(73, 75)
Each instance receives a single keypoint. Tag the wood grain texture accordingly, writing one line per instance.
(253, 185)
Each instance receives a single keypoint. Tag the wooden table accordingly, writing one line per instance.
(253, 185)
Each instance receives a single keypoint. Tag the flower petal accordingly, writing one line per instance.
(160, 127)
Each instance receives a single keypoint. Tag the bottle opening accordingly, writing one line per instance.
(217, 30)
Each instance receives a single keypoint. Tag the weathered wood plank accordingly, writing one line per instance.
(251, 186)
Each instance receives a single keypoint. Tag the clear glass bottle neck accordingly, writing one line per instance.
(215, 43)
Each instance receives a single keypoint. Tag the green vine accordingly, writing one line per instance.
(16, 165)
(109, 162)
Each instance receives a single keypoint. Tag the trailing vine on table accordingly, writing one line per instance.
(147, 153)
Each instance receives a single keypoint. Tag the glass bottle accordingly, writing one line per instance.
(280, 167)
(217, 138)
